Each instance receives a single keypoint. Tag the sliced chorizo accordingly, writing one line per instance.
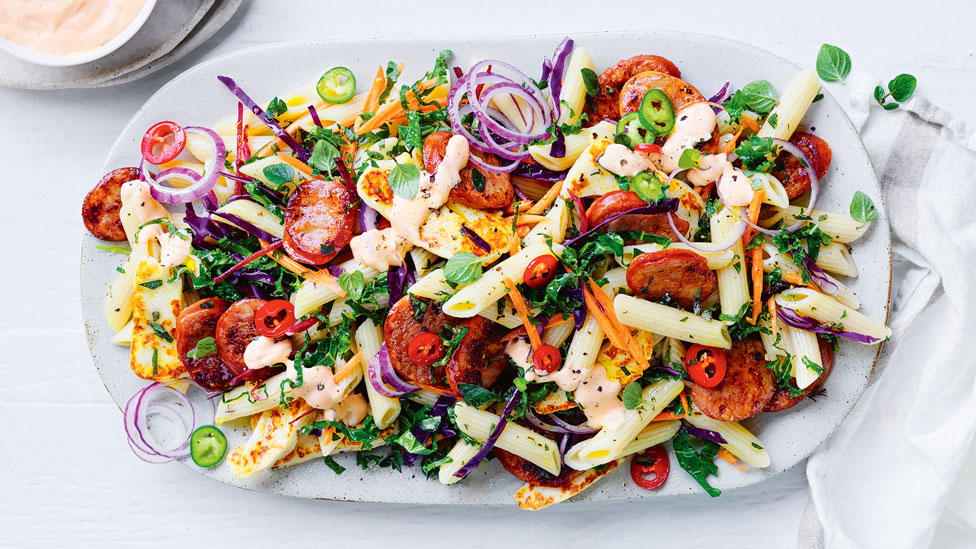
(680, 92)
(478, 358)
(747, 388)
(606, 104)
(321, 216)
(616, 202)
(235, 329)
(782, 399)
(100, 210)
(682, 275)
(196, 322)
(792, 174)
(497, 191)
(526, 471)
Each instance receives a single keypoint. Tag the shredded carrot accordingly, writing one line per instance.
(348, 369)
(514, 244)
(546, 199)
(705, 191)
(372, 103)
(525, 219)
(666, 416)
(604, 300)
(523, 311)
(749, 123)
(724, 454)
(295, 163)
(522, 230)
(393, 110)
(521, 332)
(795, 279)
(684, 403)
(601, 318)
(327, 435)
(433, 389)
(730, 146)
(757, 271)
(772, 313)
(318, 277)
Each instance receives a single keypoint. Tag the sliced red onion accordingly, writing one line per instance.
(773, 289)
(368, 217)
(579, 209)
(315, 115)
(667, 206)
(201, 185)
(811, 173)
(719, 97)
(344, 173)
(380, 372)
(139, 407)
(300, 151)
(583, 429)
(238, 178)
(534, 420)
(744, 216)
(335, 270)
(819, 277)
(738, 230)
(705, 434)
(791, 318)
(246, 226)
(539, 173)
(476, 239)
(492, 437)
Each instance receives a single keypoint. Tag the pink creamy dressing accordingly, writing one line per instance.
(381, 248)
(63, 27)
(146, 208)
(264, 352)
(173, 250)
(620, 160)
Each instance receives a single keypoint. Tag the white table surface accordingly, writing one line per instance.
(66, 474)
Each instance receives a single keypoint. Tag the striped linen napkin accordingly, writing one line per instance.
(898, 472)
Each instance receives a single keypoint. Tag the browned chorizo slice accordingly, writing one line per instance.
(321, 215)
(100, 210)
(497, 191)
(477, 359)
(527, 471)
(681, 275)
(747, 388)
(680, 92)
(196, 322)
(605, 104)
(235, 329)
(782, 399)
(792, 175)
(616, 202)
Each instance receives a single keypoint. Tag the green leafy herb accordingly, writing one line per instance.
(151, 284)
(205, 347)
(462, 268)
(477, 396)
(114, 249)
(334, 465)
(862, 208)
(160, 332)
(366, 434)
(740, 327)
(155, 361)
(773, 119)
(689, 159)
(632, 395)
(900, 88)
(353, 284)
(804, 243)
(700, 464)
(757, 154)
(279, 174)
(758, 96)
(591, 82)
(782, 368)
(405, 180)
(276, 108)
(451, 337)
(419, 307)
(323, 157)
(478, 180)
(833, 63)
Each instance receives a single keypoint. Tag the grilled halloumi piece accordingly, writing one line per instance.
(275, 436)
(556, 401)
(441, 231)
(587, 177)
(619, 364)
(533, 498)
(156, 302)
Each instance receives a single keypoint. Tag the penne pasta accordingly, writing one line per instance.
(518, 440)
(384, 410)
(671, 322)
(461, 453)
(733, 281)
(739, 441)
(839, 226)
(793, 104)
(828, 310)
(836, 258)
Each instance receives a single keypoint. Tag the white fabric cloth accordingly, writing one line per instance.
(886, 478)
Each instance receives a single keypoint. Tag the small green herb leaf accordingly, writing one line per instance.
(689, 159)
(833, 63)
(463, 268)
(161, 332)
(879, 95)
(773, 120)
(862, 208)
(478, 180)
(279, 174)
(477, 396)
(323, 154)
(205, 347)
(353, 284)
(151, 284)
(591, 82)
(276, 108)
(632, 395)
(902, 87)
(405, 180)
(760, 96)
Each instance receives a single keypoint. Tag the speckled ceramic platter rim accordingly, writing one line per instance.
(195, 97)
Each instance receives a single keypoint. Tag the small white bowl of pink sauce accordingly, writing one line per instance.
(62, 33)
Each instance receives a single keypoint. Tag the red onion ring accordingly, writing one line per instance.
(737, 231)
(811, 173)
(380, 372)
(819, 277)
(138, 407)
(201, 186)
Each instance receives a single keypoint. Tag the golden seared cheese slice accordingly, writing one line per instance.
(306, 449)
(156, 302)
(441, 231)
(275, 436)
(619, 364)
(556, 401)
(533, 498)
(586, 177)
(690, 203)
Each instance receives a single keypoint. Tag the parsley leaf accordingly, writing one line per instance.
(698, 463)
(405, 180)
(757, 154)
(462, 268)
(633, 395)
(477, 396)
(478, 180)
(862, 208)
(151, 284)
(833, 63)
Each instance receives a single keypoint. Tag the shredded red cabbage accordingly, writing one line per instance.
(558, 147)
(666, 206)
(794, 319)
(344, 173)
(537, 172)
(555, 77)
(315, 115)
(399, 279)
(247, 226)
(368, 217)
(439, 410)
(719, 97)
(579, 313)
(335, 270)
(580, 210)
(819, 277)
(705, 434)
(300, 151)
(773, 289)
(492, 437)
(476, 239)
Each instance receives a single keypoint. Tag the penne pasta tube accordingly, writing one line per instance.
(786, 265)
(836, 258)
(733, 282)
(671, 322)
(311, 295)
(657, 432)
(460, 454)
(839, 226)
(739, 441)
(369, 338)
(805, 352)
(828, 310)
(793, 104)
(518, 440)
(253, 213)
